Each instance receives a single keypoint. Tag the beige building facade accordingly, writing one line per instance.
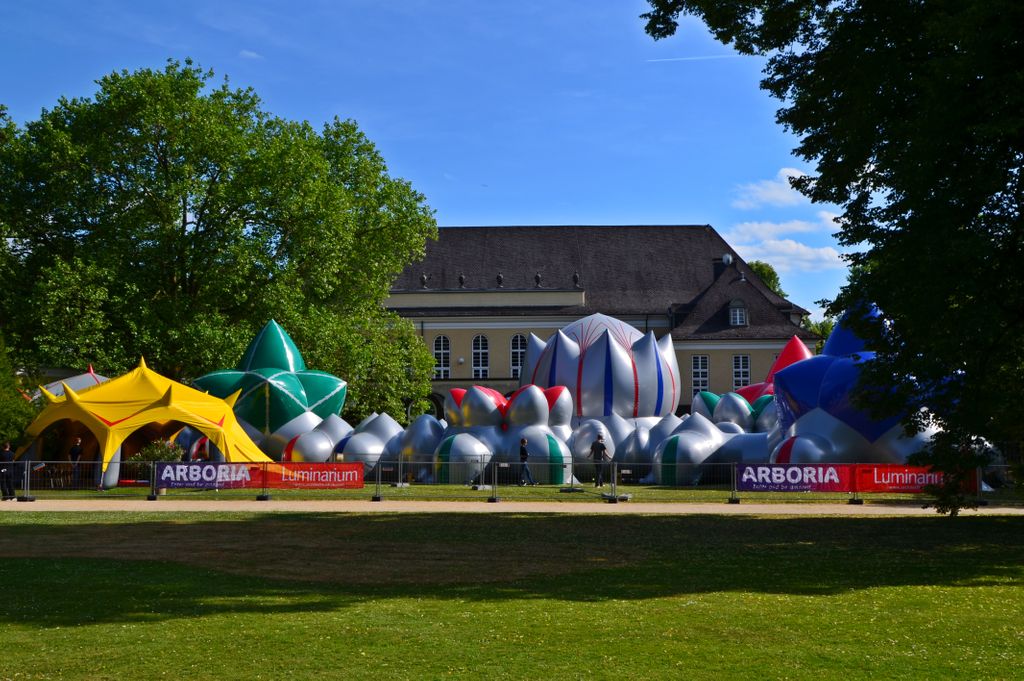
(475, 309)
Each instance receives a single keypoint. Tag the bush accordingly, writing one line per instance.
(158, 450)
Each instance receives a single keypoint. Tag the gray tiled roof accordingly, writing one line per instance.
(624, 270)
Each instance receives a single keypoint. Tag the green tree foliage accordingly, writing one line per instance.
(15, 411)
(386, 363)
(170, 217)
(823, 328)
(912, 113)
(768, 275)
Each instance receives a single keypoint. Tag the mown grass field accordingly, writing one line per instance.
(639, 494)
(389, 596)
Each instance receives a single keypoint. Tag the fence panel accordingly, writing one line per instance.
(64, 479)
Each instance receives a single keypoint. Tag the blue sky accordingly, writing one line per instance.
(501, 112)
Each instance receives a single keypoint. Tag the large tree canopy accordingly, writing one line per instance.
(913, 113)
(171, 217)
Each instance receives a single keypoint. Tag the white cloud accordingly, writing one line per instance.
(764, 241)
(775, 192)
(751, 232)
(249, 54)
(830, 219)
(787, 255)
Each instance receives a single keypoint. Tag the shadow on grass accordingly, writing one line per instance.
(102, 568)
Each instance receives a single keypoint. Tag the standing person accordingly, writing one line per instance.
(7, 471)
(76, 458)
(597, 453)
(524, 466)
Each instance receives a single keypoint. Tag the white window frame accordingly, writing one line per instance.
(481, 357)
(517, 354)
(737, 315)
(442, 357)
(740, 371)
(700, 372)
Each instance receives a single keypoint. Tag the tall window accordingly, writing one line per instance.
(481, 359)
(700, 373)
(442, 357)
(740, 371)
(518, 354)
(737, 313)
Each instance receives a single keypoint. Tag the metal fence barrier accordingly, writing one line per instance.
(491, 480)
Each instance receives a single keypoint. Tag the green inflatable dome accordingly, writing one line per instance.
(275, 383)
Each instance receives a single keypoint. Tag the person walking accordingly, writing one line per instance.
(524, 465)
(75, 453)
(597, 453)
(7, 472)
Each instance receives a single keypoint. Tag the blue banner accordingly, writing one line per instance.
(206, 475)
(767, 477)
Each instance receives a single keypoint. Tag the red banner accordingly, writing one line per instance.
(895, 478)
(311, 476)
(866, 478)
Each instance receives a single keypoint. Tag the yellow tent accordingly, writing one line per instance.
(112, 411)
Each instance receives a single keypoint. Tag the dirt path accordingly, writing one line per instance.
(249, 506)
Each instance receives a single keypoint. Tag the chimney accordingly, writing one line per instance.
(720, 265)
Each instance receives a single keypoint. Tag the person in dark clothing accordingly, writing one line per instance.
(597, 453)
(7, 472)
(524, 466)
(76, 459)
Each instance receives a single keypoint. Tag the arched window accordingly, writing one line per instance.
(442, 357)
(481, 357)
(518, 354)
(737, 313)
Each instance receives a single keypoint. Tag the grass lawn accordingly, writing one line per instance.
(1007, 496)
(246, 596)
